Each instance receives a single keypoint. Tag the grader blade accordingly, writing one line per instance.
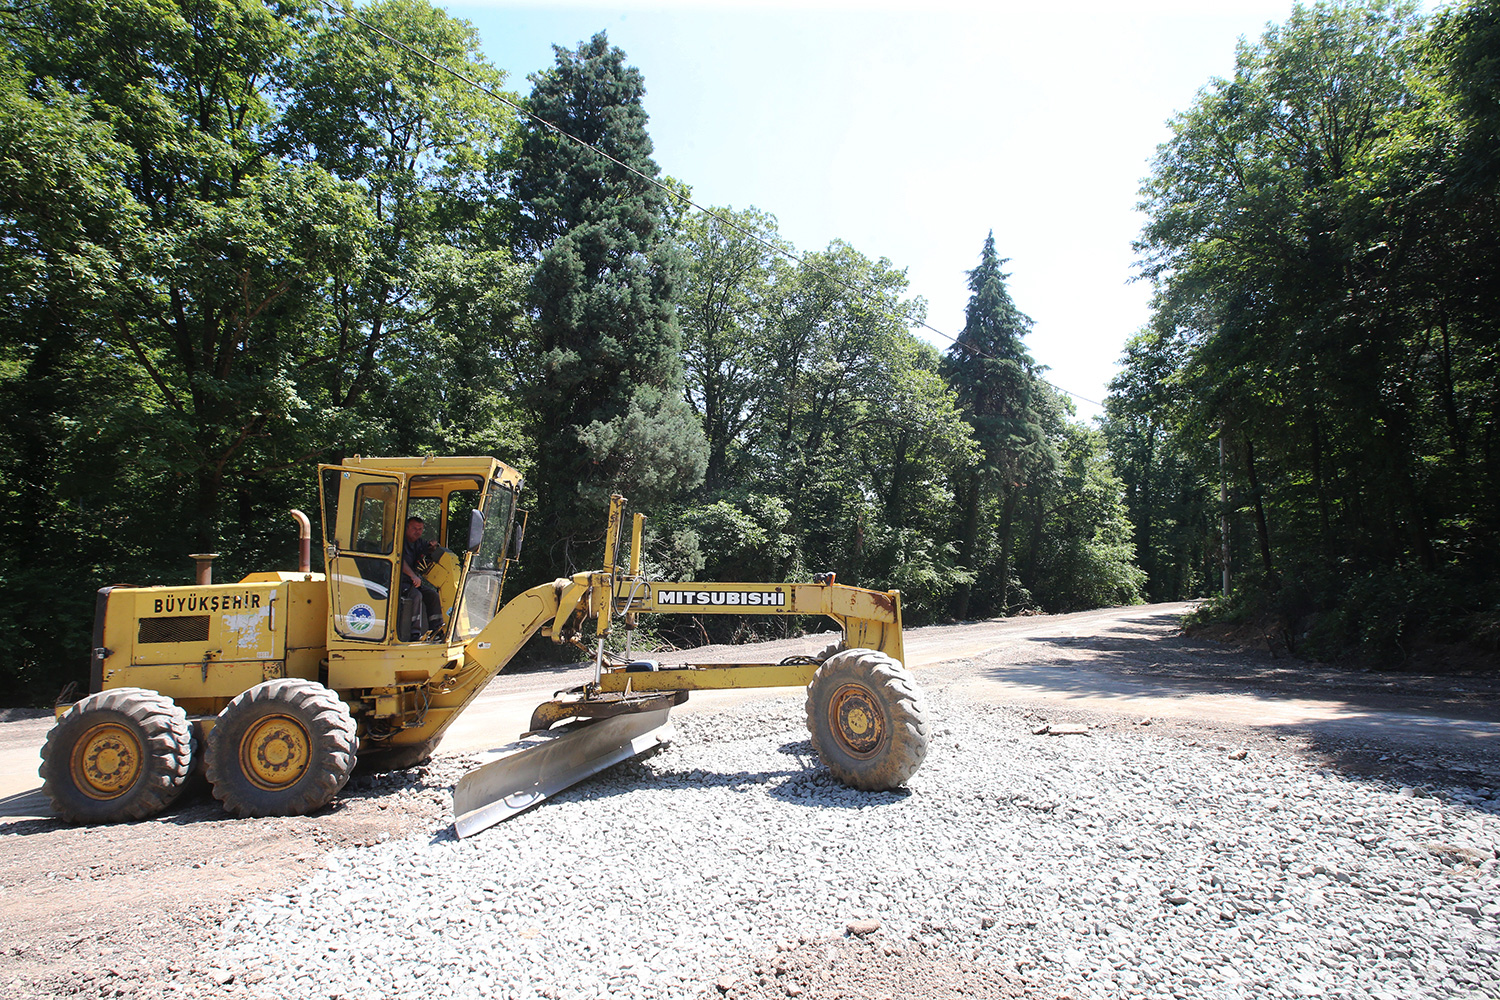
(550, 713)
(552, 762)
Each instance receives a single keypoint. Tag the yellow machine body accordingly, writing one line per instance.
(203, 645)
(350, 634)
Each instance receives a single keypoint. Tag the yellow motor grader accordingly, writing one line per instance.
(273, 687)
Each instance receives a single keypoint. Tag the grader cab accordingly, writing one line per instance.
(274, 686)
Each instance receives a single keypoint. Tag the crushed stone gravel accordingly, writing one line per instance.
(1117, 860)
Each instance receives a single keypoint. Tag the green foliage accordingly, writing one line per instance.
(239, 237)
(606, 404)
(997, 385)
(1171, 505)
(732, 304)
(1080, 553)
(236, 238)
(407, 340)
(1322, 235)
(747, 536)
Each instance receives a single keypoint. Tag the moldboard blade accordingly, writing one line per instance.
(552, 762)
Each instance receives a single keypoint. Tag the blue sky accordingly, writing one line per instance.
(911, 134)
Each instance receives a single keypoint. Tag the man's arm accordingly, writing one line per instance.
(407, 558)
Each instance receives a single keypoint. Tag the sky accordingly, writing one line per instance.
(913, 134)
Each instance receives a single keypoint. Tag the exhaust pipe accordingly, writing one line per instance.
(205, 561)
(304, 541)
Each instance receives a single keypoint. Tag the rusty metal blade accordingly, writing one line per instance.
(549, 713)
(551, 762)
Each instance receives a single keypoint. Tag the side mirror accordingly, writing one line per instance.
(516, 539)
(476, 530)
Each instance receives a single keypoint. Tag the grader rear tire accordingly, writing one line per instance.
(283, 748)
(867, 719)
(117, 755)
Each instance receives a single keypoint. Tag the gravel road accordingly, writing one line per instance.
(1049, 847)
(1117, 861)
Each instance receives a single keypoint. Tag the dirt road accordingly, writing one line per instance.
(101, 911)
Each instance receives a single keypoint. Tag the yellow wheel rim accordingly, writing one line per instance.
(106, 761)
(857, 720)
(275, 752)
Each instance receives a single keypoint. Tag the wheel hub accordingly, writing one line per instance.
(106, 761)
(857, 720)
(275, 752)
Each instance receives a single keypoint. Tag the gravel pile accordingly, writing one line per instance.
(1122, 861)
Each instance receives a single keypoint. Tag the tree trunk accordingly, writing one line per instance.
(895, 502)
(1320, 486)
(210, 481)
(1034, 543)
(1262, 533)
(1143, 556)
(1458, 437)
(1007, 534)
(968, 539)
(1401, 452)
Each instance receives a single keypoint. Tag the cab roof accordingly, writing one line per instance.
(439, 465)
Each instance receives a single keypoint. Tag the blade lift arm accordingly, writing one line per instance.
(623, 712)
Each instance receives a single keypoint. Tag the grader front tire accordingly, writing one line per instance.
(283, 748)
(867, 719)
(829, 650)
(117, 755)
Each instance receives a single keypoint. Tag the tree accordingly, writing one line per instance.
(405, 358)
(231, 233)
(1078, 547)
(607, 409)
(994, 377)
(1169, 501)
(1320, 232)
(736, 280)
(160, 263)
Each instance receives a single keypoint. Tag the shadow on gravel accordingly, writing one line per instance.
(197, 805)
(1187, 666)
(193, 807)
(1449, 758)
(812, 786)
(1432, 733)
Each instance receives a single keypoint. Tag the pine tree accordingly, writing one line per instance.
(993, 375)
(607, 402)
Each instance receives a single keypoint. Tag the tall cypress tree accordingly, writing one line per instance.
(606, 400)
(993, 376)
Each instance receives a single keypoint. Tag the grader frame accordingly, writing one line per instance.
(273, 686)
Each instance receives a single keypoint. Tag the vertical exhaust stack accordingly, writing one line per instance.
(205, 561)
(304, 541)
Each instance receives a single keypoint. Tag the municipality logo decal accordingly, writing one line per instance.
(361, 618)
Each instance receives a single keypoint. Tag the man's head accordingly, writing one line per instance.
(414, 528)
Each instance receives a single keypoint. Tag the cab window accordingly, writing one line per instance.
(375, 518)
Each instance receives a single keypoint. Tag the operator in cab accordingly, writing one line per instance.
(418, 551)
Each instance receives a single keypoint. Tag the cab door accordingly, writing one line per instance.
(363, 551)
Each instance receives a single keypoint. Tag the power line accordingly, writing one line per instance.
(669, 192)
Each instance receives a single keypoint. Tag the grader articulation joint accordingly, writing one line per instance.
(275, 685)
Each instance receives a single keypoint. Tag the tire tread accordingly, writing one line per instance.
(167, 744)
(335, 746)
(908, 727)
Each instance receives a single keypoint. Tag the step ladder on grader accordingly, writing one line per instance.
(273, 687)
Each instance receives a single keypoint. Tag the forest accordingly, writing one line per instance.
(1315, 400)
(239, 238)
